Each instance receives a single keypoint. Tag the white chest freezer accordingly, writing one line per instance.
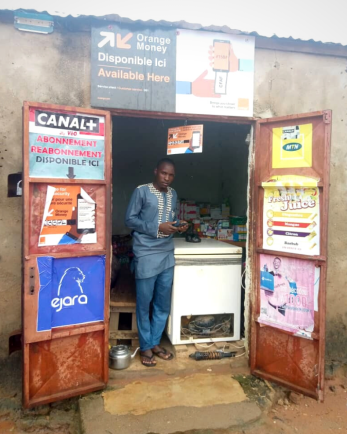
(206, 293)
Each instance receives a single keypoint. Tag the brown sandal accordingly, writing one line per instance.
(150, 361)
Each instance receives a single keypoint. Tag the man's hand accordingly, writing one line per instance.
(204, 87)
(183, 228)
(167, 228)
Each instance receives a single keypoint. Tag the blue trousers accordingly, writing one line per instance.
(156, 289)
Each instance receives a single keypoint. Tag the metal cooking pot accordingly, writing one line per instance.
(120, 357)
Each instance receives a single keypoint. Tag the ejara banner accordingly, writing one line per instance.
(71, 291)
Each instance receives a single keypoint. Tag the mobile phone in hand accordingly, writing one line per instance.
(179, 224)
(221, 55)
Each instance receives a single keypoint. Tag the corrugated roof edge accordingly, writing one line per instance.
(177, 24)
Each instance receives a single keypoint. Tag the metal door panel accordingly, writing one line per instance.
(71, 360)
(277, 355)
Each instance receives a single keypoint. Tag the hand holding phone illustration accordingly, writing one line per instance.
(204, 87)
(220, 82)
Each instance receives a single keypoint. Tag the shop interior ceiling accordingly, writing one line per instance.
(269, 19)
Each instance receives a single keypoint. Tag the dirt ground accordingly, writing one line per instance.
(304, 415)
(57, 418)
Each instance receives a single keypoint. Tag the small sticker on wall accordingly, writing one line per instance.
(69, 217)
(187, 139)
(292, 146)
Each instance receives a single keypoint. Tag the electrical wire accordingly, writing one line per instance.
(190, 334)
(240, 355)
(193, 327)
(244, 271)
(204, 327)
(235, 346)
(204, 345)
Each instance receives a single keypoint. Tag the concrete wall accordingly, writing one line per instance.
(289, 83)
(55, 69)
(218, 173)
(52, 69)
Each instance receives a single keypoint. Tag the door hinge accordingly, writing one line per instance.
(32, 281)
(327, 117)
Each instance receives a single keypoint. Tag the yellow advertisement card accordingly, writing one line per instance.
(292, 146)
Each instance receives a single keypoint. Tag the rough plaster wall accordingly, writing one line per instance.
(290, 83)
(45, 68)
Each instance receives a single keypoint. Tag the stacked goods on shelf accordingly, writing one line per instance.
(216, 213)
(225, 233)
(208, 229)
(121, 255)
(225, 210)
(234, 229)
(122, 248)
(204, 210)
(212, 221)
(186, 210)
(239, 225)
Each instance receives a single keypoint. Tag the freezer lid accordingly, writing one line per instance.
(206, 247)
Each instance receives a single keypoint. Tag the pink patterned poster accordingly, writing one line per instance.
(289, 293)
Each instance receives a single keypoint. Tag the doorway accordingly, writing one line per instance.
(213, 184)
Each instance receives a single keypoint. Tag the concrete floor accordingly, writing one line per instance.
(175, 396)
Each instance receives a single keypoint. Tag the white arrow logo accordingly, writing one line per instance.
(108, 37)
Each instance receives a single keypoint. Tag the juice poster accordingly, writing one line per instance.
(69, 217)
(288, 293)
(291, 220)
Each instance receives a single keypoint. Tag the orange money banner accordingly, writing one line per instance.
(185, 140)
(69, 217)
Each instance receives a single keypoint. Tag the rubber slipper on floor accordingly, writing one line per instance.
(165, 352)
(150, 359)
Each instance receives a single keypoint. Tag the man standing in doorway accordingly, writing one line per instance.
(151, 216)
